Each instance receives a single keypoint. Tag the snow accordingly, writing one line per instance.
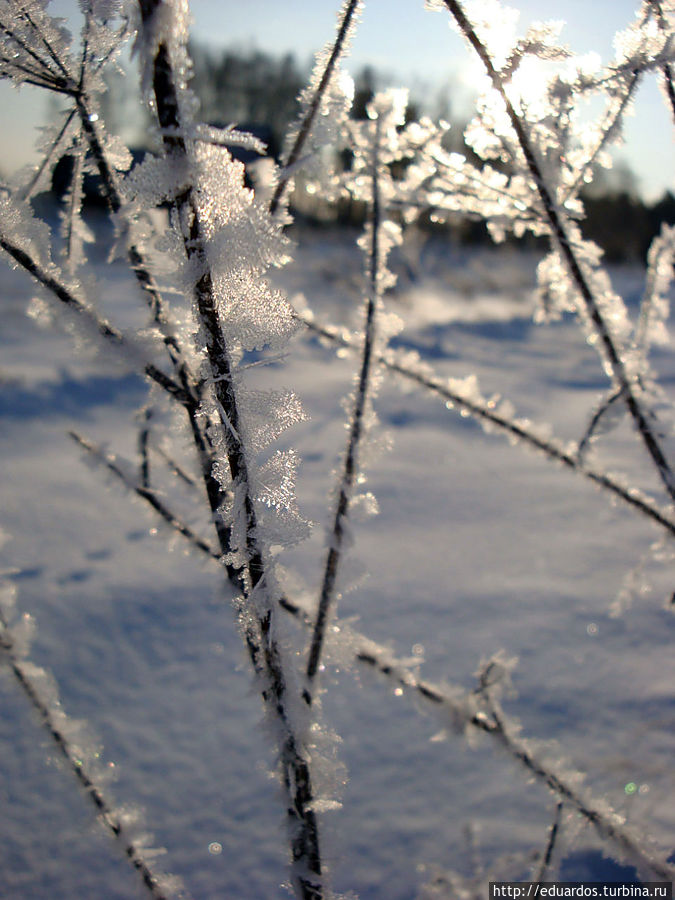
(478, 546)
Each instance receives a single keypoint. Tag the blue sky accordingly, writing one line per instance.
(412, 47)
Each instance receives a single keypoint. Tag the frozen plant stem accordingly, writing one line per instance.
(598, 814)
(613, 118)
(136, 258)
(550, 844)
(355, 432)
(106, 813)
(667, 68)
(513, 428)
(441, 703)
(307, 123)
(186, 393)
(56, 76)
(607, 823)
(596, 419)
(143, 441)
(562, 240)
(262, 645)
(63, 293)
(144, 491)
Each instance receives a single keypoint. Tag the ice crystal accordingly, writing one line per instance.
(495, 24)
(267, 414)
(19, 228)
(279, 520)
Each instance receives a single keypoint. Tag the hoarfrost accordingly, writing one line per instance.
(324, 104)
(256, 316)
(495, 25)
(267, 414)
(280, 521)
(651, 327)
(19, 228)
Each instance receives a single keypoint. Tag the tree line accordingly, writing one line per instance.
(259, 91)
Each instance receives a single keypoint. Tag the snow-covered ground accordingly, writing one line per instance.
(479, 546)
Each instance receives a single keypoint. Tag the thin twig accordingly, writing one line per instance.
(135, 256)
(173, 466)
(598, 814)
(105, 809)
(49, 155)
(60, 84)
(23, 13)
(63, 293)
(109, 185)
(610, 124)
(513, 428)
(550, 844)
(143, 440)
(462, 711)
(355, 433)
(145, 493)
(73, 203)
(596, 418)
(667, 69)
(307, 123)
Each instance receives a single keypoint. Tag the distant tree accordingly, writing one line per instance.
(365, 85)
(251, 87)
(619, 223)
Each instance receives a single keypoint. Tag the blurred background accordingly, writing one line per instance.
(251, 61)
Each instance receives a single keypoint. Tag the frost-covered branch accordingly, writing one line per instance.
(463, 394)
(185, 393)
(38, 687)
(49, 157)
(607, 132)
(568, 244)
(461, 712)
(30, 32)
(350, 464)
(49, 279)
(34, 48)
(348, 17)
(651, 327)
(456, 708)
(143, 491)
(377, 145)
(163, 37)
(596, 423)
(667, 67)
